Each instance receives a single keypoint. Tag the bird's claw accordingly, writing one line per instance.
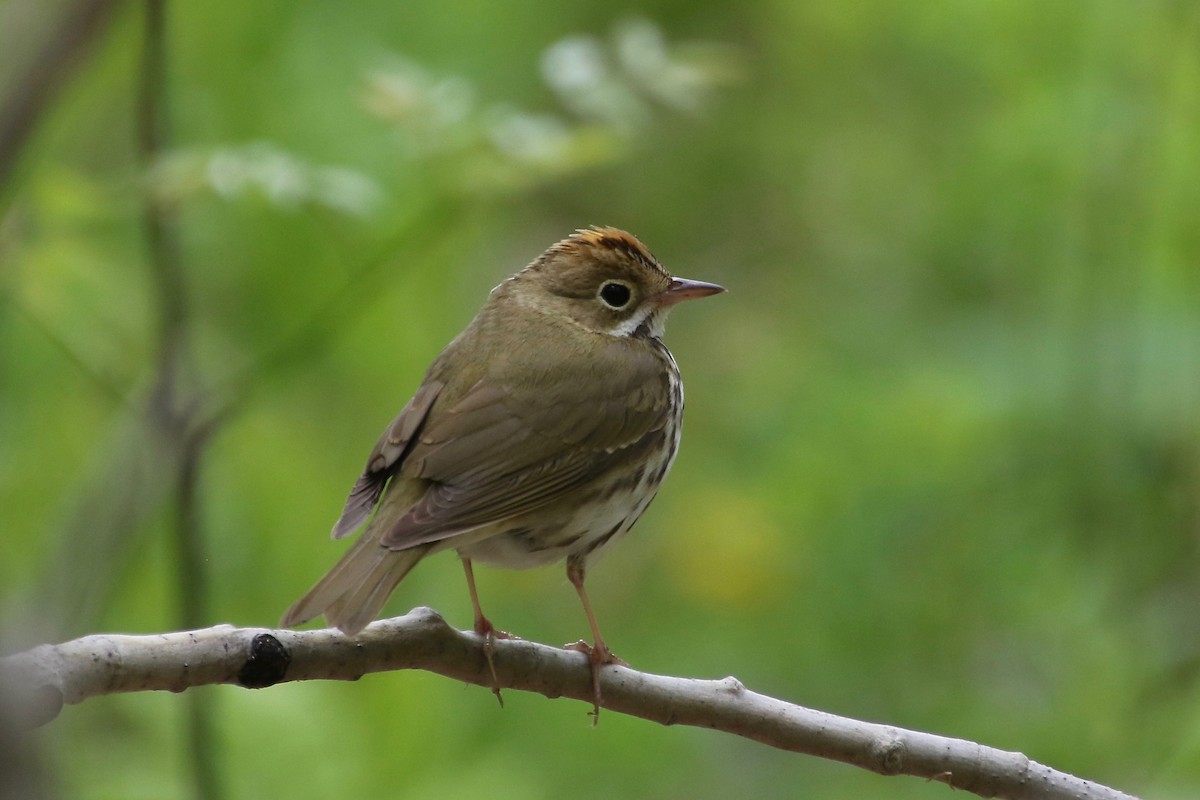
(490, 633)
(598, 656)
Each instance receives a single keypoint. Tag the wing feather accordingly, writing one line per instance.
(388, 454)
(503, 451)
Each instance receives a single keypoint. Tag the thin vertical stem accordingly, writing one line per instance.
(201, 743)
(158, 217)
(171, 417)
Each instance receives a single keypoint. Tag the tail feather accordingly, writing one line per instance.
(356, 589)
(355, 609)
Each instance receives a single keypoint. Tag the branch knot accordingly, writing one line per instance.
(267, 663)
(887, 751)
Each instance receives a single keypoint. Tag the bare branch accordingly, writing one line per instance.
(45, 678)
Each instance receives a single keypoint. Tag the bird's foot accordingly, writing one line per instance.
(598, 656)
(490, 633)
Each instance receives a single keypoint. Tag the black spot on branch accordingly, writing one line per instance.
(267, 664)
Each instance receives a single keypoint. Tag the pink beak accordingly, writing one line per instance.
(682, 289)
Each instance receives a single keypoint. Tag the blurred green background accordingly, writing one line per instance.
(941, 466)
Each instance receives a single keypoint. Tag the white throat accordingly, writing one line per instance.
(652, 316)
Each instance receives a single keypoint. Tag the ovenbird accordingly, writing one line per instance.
(541, 433)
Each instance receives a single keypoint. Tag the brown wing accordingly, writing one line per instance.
(506, 449)
(388, 454)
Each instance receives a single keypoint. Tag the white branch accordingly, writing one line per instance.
(41, 680)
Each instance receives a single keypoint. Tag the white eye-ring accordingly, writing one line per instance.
(615, 294)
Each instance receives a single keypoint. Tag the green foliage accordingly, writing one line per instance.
(942, 455)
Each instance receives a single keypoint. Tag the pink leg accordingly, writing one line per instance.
(598, 653)
(484, 628)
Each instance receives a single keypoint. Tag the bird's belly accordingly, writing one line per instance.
(556, 533)
(580, 525)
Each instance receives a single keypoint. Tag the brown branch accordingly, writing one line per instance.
(51, 68)
(48, 676)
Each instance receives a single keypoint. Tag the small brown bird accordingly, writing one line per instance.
(541, 433)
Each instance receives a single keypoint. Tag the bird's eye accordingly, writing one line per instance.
(616, 295)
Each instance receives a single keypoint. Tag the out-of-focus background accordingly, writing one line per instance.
(941, 463)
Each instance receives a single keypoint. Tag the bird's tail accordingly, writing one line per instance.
(353, 592)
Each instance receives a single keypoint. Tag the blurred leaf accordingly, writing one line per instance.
(284, 180)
